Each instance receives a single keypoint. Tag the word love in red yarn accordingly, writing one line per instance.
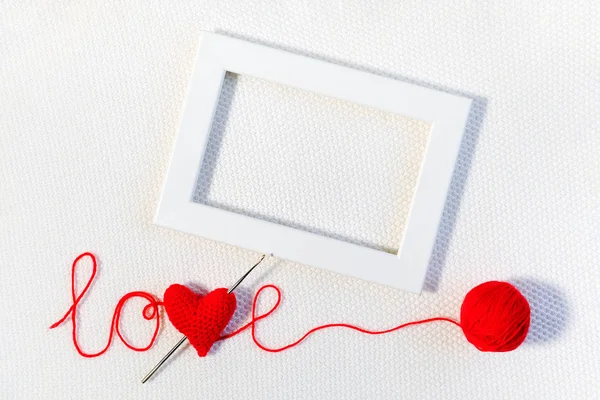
(495, 316)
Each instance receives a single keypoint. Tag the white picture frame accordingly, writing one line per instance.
(406, 270)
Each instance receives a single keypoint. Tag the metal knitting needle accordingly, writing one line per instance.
(183, 339)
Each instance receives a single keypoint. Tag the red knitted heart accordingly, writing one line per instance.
(200, 318)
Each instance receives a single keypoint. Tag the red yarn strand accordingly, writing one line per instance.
(149, 312)
(256, 318)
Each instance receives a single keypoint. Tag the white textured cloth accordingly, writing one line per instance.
(312, 162)
(90, 95)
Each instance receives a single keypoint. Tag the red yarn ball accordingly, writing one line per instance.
(495, 316)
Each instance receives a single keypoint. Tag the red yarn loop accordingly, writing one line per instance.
(495, 316)
(149, 312)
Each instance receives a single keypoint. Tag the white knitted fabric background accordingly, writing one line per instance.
(312, 162)
(90, 97)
